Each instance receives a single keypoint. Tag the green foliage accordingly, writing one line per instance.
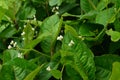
(115, 71)
(59, 39)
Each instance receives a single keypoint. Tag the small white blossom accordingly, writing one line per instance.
(9, 46)
(12, 42)
(57, 12)
(48, 68)
(71, 43)
(23, 33)
(60, 37)
(20, 55)
(34, 18)
(24, 26)
(14, 45)
(80, 37)
(53, 9)
(83, 38)
(57, 7)
(23, 38)
(33, 29)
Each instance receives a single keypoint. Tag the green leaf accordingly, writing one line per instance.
(71, 73)
(90, 15)
(32, 75)
(56, 73)
(26, 12)
(104, 66)
(102, 4)
(115, 35)
(79, 56)
(67, 7)
(71, 29)
(45, 74)
(7, 73)
(22, 63)
(51, 26)
(28, 35)
(3, 4)
(115, 71)
(13, 8)
(34, 42)
(8, 32)
(106, 16)
(85, 5)
(54, 2)
(9, 55)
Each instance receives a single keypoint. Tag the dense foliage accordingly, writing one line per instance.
(59, 39)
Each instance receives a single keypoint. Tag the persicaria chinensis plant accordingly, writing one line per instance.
(59, 39)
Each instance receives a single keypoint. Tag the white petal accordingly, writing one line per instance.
(48, 68)
(9, 46)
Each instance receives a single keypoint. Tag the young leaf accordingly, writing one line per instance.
(115, 71)
(115, 35)
(56, 73)
(32, 75)
(106, 16)
(51, 26)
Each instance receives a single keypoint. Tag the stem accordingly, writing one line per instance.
(26, 50)
(40, 53)
(62, 70)
(46, 5)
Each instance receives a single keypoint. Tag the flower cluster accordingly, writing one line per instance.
(71, 43)
(12, 44)
(81, 37)
(55, 10)
(48, 68)
(20, 55)
(60, 38)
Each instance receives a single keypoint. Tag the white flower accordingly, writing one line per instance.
(48, 68)
(53, 9)
(33, 29)
(12, 42)
(23, 38)
(57, 7)
(24, 26)
(20, 55)
(14, 45)
(60, 37)
(81, 37)
(34, 18)
(57, 12)
(23, 33)
(9, 46)
(71, 43)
